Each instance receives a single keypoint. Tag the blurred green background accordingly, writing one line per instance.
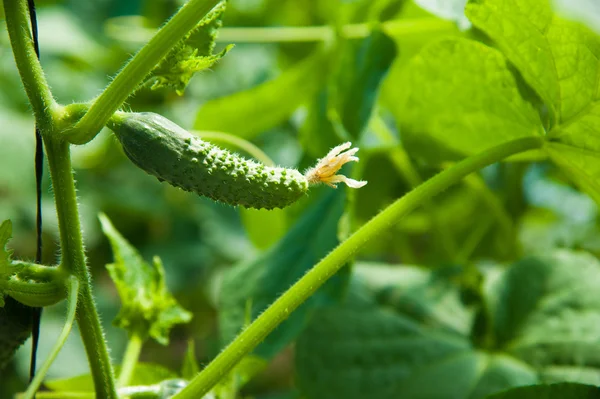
(316, 88)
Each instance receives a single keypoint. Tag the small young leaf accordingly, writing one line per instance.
(147, 306)
(361, 72)
(193, 54)
(361, 350)
(546, 311)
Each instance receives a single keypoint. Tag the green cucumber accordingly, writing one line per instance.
(170, 153)
(167, 151)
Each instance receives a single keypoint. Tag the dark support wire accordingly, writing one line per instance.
(39, 169)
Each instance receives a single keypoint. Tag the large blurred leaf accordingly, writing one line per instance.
(148, 308)
(543, 317)
(585, 11)
(559, 59)
(427, 297)
(342, 110)
(364, 351)
(533, 38)
(143, 374)
(460, 95)
(251, 112)
(249, 288)
(554, 391)
(193, 54)
(362, 69)
(546, 309)
(559, 216)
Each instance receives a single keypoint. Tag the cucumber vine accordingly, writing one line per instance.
(170, 153)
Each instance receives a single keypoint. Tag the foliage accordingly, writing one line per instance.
(147, 307)
(467, 268)
(192, 55)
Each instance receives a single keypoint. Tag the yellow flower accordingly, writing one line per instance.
(324, 171)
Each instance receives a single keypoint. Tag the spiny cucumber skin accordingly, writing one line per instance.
(169, 152)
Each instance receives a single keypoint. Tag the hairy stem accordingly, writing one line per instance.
(404, 166)
(32, 75)
(132, 354)
(134, 73)
(73, 288)
(248, 339)
(73, 262)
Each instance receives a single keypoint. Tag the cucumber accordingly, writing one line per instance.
(170, 153)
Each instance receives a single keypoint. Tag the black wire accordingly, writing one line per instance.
(39, 169)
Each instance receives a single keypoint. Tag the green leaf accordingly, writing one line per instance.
(362, 69)
(256, 284)
(264, 227)
(318, 134)
(251, 112)
(543, 315)
(427, 297)
(546, 310)
(358, 351)
(342, 110)
(143, 374)
(460, 95)
(560, 60)
(147, 306)
(193, 54)
(580, 164)
(554, 391)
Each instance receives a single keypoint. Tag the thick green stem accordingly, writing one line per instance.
(132, 354)
(134, 73)
(320, 273)
(404, 166)
(73, 288)
(73, 262)
(36, 87)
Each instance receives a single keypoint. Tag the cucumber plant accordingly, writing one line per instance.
(459, 98)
